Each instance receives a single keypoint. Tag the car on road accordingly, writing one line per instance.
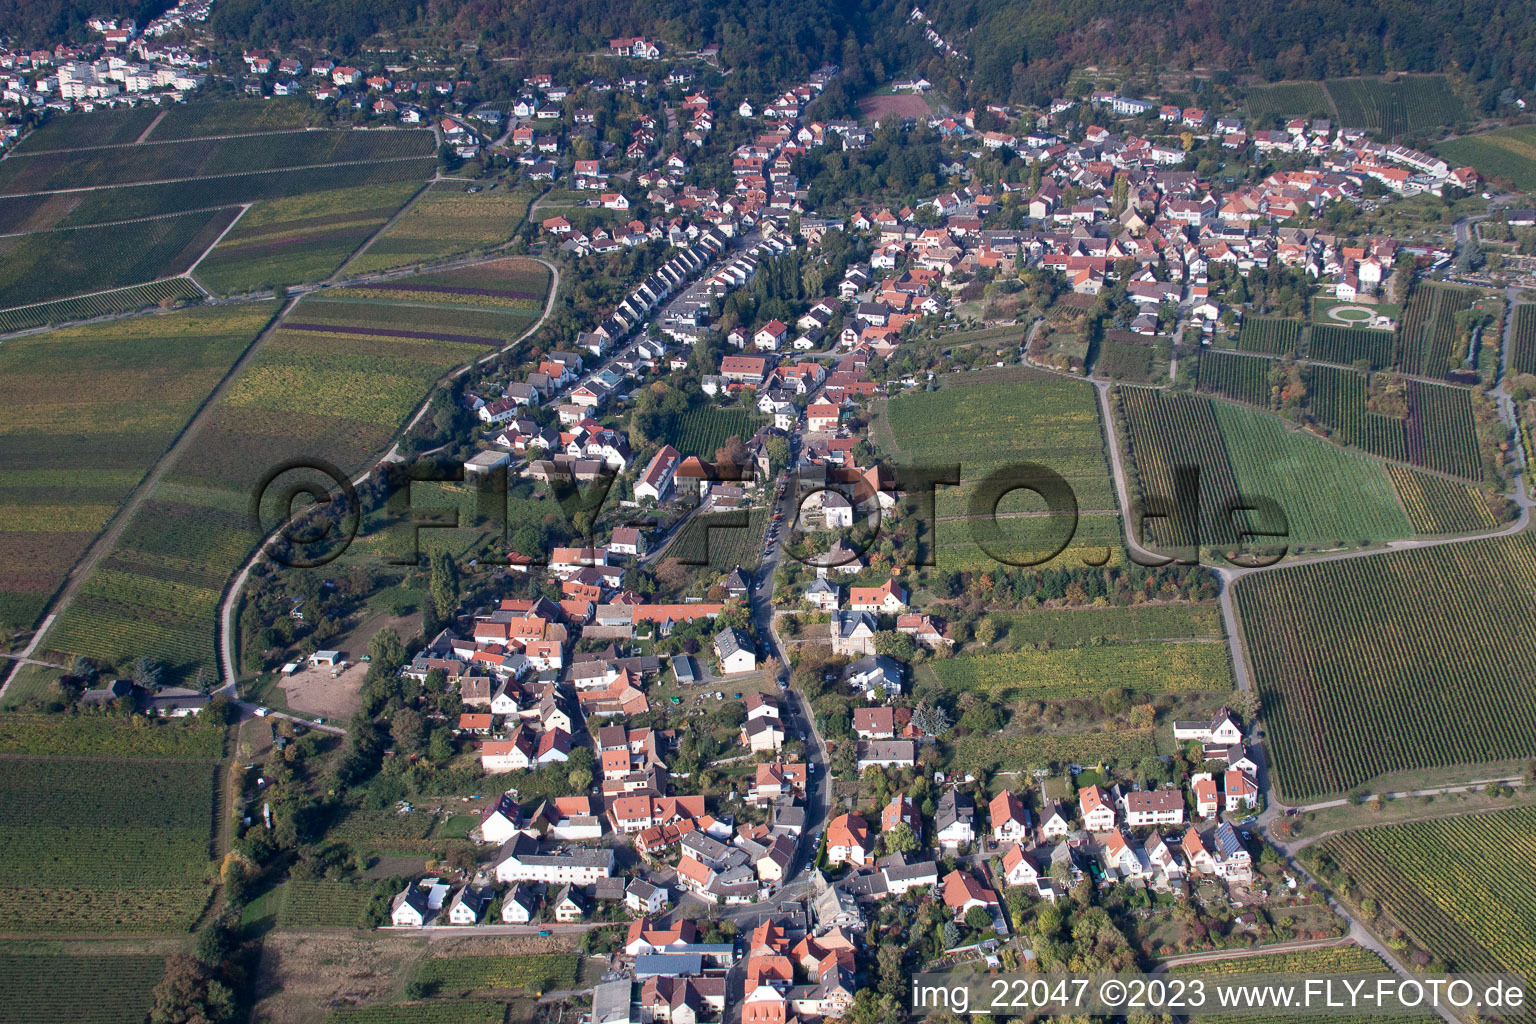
(263, 712)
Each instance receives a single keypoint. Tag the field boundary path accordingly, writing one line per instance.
(112, 224)
(152, 126)
(24, 656)
(226, 617)
(45, 328)
(426, 187)
(245, 208)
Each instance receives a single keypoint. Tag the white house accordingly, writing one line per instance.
(847, 840)
(1018, 869)
(468, 905)
(823, 594)
(735, 651)
(499, 822)
(1222, 730)
(1158, 807)
(518, 905)
(409, 908)
(771, 336)
(890, 597)
(656, 480)
(644, 898)
(1009, 818)
(1097, 812)
(955, 820)
(1239, 791)
(1054, 821)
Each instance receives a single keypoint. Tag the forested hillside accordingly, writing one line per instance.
(40, 22)
(1018, 51)
(1024, 51)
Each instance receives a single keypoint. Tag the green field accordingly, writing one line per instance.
(1337, 398)
(513, 283)
(69, 822)
(70, 261)
(1348, 345)
(322, 904)
(1153, 667)
(77, 988)
(1506, 154)
(703, 429)
(225, 117)
(445, 221)
(89, 409)
(1123, 360)
(152, 200)
(1437, 431)
(299, 238)
(1412, 103)
(1410, 659)
(713, 536)
(160, 161)
(1310, 963)
(360, 825)
(1522, 351)
(316, 392)
(1269, 335)
(99, 736)
(1289, 99)
(1026, 539)
(100, 846)
(1437, 505)
(1240, 378)
(1014, 749)
(347, 308)
(1456, 886)
(469, 1011)
(1171, 431)
(1442, 431)
(84, 131)
(1022, 417)
(123, 300)
(1428, 341)
(1329, 497)
(1071, 627)
(535, 972)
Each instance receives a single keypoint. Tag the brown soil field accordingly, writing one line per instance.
(875, 107)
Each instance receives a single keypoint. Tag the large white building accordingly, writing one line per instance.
(519, 860)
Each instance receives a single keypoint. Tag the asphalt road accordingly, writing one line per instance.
(798, 716)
